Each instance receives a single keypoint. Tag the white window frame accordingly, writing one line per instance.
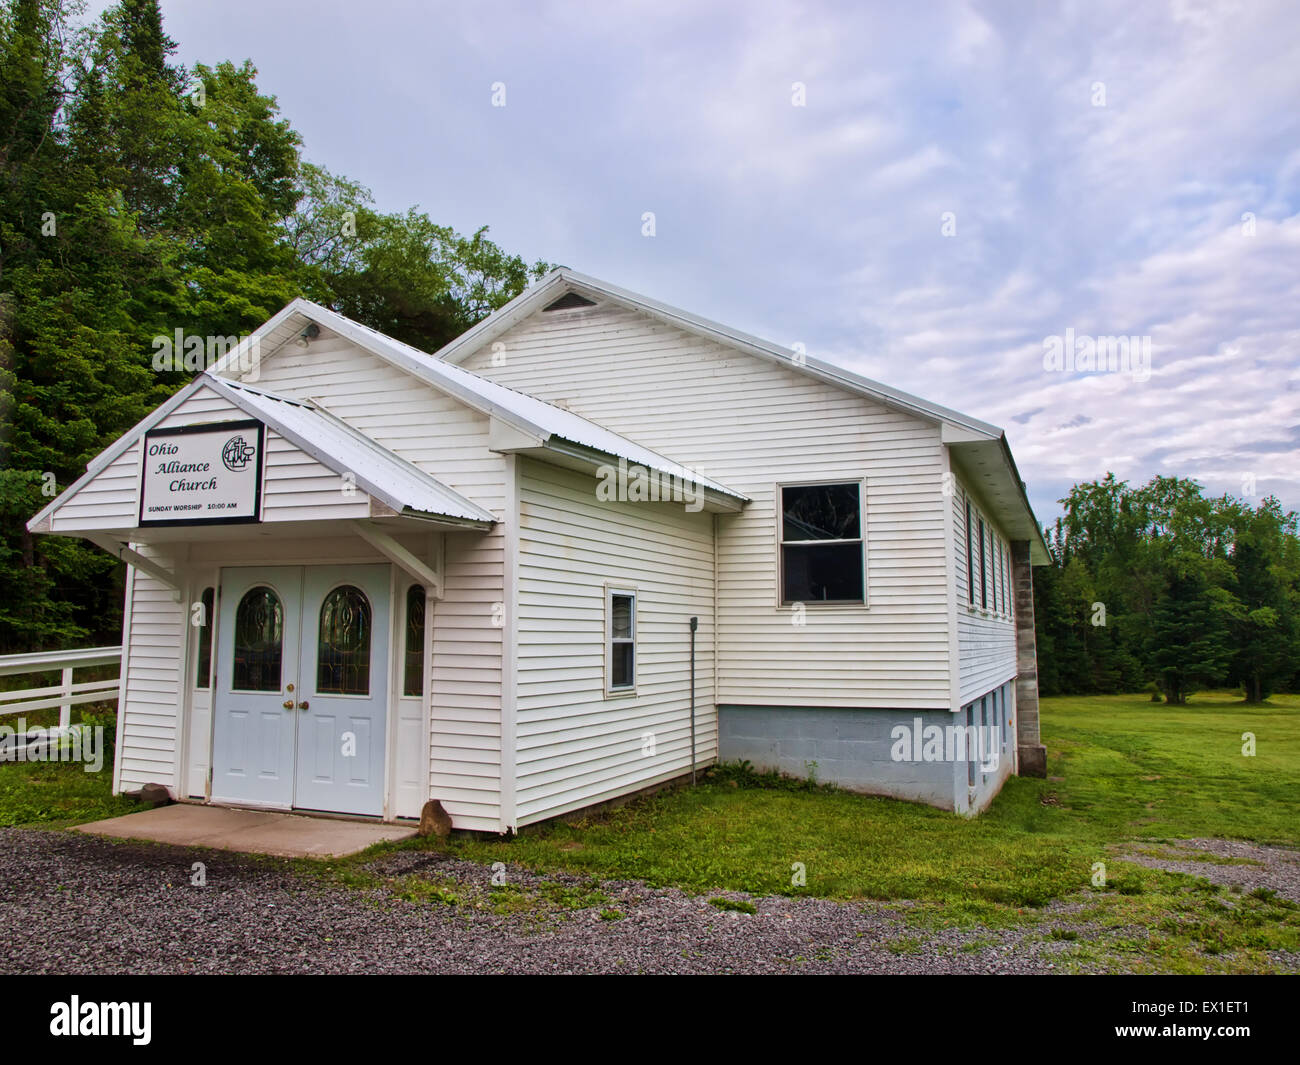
(1006, 584)
(993, 597)
(631, 592)
(968, 546)
(778, 507)
(993, 551)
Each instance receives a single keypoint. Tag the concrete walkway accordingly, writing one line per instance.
(251, 831)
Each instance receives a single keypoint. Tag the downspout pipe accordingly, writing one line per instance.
(695, 624)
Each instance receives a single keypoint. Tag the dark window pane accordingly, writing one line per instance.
(259, 633)
(621, 622)
(203, 670)
(414, 673)
(343, 650)
(621, 665)
(821, 512)
(993, 570)
(984, 579)
(970, 559)
(821, 573)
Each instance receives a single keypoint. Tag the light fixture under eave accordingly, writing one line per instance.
(308, 335)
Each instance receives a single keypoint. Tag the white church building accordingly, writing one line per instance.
(592, 544)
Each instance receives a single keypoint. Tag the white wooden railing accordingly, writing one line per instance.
(69, 692)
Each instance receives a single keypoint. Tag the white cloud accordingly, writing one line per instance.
(822, 223)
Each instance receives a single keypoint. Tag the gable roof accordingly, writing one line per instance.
(562, 280)
(398, 484)
(980, 449)
(388, 477)
(549, 427)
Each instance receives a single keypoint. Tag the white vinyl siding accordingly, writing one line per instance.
(576, 746)
(986, 639)
(448, 440)
(154, 653)
(109, 500)
(751, 425)
(295, 486)
(428, 429)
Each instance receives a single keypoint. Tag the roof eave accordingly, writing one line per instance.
(728, 501)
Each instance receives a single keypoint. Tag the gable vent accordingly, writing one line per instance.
(568, 302)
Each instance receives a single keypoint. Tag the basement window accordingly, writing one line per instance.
(822, 558)
(620, 641)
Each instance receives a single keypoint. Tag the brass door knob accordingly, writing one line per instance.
(302, 705)
(288, 704)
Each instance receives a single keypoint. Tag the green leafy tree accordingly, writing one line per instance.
(136, 198)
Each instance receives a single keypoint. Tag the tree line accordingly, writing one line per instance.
(138, 197)
(1165, 589)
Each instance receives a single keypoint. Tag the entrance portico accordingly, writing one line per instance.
(282, 567)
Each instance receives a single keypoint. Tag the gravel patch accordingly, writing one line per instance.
(1274, 868)
(91, 905)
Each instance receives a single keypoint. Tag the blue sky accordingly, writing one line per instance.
(963, 182)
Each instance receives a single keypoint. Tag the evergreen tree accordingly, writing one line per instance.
(1188, 638)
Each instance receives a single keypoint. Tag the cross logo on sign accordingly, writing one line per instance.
(236, 453)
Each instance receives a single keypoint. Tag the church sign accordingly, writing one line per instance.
(202, 474)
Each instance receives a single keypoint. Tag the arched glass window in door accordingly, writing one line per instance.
(259, 639)
(343, 647)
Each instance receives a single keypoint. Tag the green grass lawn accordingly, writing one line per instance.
(55, 794)
(1121, 769)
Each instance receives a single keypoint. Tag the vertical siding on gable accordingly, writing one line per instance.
(986, 641)
(751, 424)
(575, 747)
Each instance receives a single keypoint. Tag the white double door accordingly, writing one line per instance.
(302, 688)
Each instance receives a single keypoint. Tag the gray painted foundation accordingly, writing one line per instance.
(854, 749)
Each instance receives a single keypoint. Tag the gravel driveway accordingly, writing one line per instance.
(106, 907)
(1254, 866)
